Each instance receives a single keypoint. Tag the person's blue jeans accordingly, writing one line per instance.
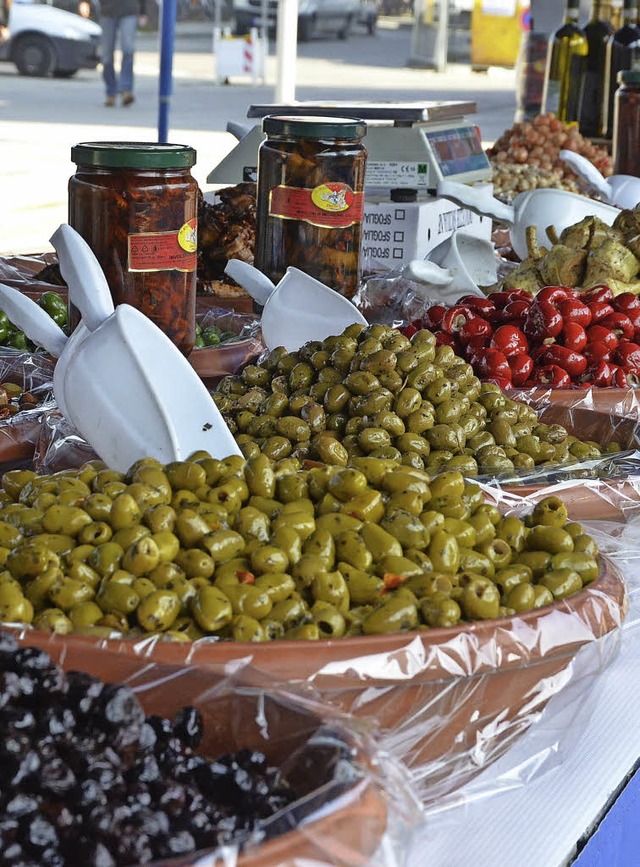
(126, 28)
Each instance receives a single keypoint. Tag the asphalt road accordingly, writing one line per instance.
(41, 119)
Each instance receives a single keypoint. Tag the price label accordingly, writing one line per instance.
(397, 174)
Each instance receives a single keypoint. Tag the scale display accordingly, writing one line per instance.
(457, 151)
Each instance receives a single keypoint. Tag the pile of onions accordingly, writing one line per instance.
(538, 142)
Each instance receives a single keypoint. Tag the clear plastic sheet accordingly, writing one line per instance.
(553, 737)
(392, 298)
(19, 433)
(606, 487)
(356, 806)
(37, 272)
(214, 362)
(447, 702)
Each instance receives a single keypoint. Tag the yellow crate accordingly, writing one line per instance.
(496, 32)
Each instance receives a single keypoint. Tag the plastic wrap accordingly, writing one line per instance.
(392, 298)
(446, 701)
(554, 737)
(19, 433)
(356, 804)
(214, 362)
(35, 273)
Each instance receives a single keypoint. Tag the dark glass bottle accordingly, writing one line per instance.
(623, 52)
(593, 113)
(564, 74)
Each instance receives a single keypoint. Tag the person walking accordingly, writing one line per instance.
(120, 19)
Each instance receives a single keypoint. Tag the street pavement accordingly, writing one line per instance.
(41, 119)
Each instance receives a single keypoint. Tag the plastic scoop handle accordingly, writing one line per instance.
(424, 271)
(479, 201)
(254, 281)
(88, 287)
(33, 320)
(586, 170)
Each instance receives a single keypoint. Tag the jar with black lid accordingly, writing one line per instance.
(136, 205)
(310, 199)
(626, 124)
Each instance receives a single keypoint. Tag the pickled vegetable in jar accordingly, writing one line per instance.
(136, 205)
(310, 199)
(626, 124)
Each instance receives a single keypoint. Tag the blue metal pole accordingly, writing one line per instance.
(167, 39)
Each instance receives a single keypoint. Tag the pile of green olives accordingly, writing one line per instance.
(374, 392)
(256, 550)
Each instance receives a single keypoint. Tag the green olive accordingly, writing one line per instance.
(396, 614)
(480, 599)
(444, 552)
(552, 539)
(562, 582)
(56, 621)
(439, 610)
(212, 609)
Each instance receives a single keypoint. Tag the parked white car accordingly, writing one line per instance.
(315, 17)
(43, 40)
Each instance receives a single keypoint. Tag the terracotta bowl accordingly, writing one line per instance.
(437, 696)
(345, 824)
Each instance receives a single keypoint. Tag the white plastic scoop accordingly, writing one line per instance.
(459, 265)
(119, 380)
(540, 208)
(300, 308)
(620, 190)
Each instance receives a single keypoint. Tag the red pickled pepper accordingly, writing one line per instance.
(559, 338)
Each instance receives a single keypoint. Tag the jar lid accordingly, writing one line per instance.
(629, 76)
(314, 127)
(133, 155)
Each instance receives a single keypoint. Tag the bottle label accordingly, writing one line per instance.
(332, 205)
(165, 251)
(552, 99)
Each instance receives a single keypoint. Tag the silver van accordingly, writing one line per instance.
(315, 17)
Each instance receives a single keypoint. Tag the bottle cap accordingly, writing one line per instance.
(628, 76)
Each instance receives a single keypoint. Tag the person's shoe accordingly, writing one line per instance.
(110, 101)
(127, 98)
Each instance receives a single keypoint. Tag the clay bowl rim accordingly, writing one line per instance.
(603, 604)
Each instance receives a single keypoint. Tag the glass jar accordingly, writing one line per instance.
(626, 124)
(310, 199)
(136, 205)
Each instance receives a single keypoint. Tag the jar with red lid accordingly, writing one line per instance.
(136, 205)
(626, 124)
(310, 199)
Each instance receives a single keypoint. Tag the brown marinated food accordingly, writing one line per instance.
(310, 199)
(136, 206)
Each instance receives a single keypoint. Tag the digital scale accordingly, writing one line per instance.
(411, 146)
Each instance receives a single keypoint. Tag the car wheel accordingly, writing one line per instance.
(345, 31)
(64, 73)
(306, 28)
(34, 55)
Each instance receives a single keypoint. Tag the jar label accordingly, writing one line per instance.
(331, 205)
(165, 251)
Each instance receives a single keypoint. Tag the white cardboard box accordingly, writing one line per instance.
(394, 233)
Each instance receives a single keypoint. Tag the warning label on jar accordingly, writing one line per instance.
(331, 205)
(165, 251)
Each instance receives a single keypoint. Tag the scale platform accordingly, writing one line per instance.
(410, 145)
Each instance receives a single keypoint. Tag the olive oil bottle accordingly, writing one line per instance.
(565, 69)
(593, 113)
(623, 52)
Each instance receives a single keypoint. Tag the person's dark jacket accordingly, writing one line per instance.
(121, 8)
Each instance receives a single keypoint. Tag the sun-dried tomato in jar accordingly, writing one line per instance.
(310, 199)
(135, 204)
